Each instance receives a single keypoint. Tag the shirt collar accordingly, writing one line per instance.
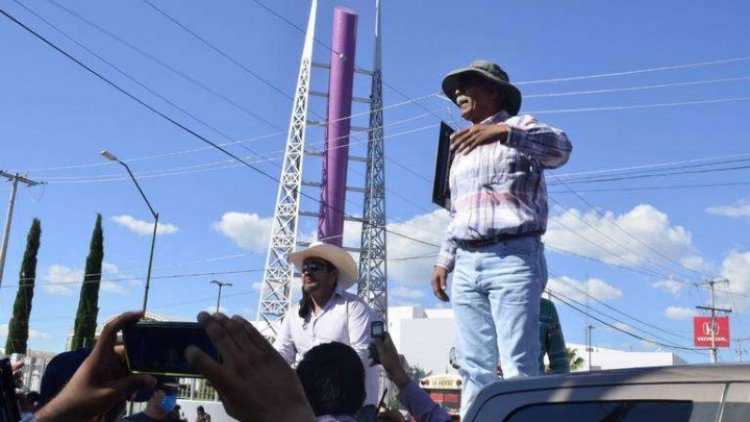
(498, 117)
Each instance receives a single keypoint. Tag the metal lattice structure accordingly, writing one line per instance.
(373, 281)
(277, 279)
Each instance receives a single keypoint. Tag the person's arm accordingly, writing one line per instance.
(360, 319)
(446, 261)
(413, 398)
(284, 343)
(253, 380)
(547, 145)
(100, 382)
(557, 351)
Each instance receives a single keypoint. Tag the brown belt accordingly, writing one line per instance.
(478, 243)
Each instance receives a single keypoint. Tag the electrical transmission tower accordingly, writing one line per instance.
(279, 273)
(373, 285)
(277, 278)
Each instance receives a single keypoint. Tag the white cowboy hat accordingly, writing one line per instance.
(337, 256)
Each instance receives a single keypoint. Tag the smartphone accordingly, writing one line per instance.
(377, 329)
(158, 348)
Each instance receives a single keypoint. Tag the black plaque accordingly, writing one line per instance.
(441, 190)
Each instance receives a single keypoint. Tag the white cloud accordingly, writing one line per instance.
(578, 290)
(33, 334)
(62, 280)
(623, 326)
(739, 210)
(671, 286)
(644, 222)
(679, 313)
(429, 228)
(401, 292)
(736, 269)
(143, 228)
(248, 231)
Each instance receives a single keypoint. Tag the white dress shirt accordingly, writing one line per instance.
(345, 318)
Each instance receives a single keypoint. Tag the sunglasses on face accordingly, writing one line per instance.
(313, 266)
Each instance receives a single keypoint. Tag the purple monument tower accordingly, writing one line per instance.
(336, 156)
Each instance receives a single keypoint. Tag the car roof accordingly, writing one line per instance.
(650, 375)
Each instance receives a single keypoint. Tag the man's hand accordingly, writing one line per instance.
(100, 383)
(254, 382)
(440, 283)
(465, 140)
(17, 370)
(391, 360)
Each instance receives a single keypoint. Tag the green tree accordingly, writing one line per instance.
(88, 305)
(18, 328)
(576, 362)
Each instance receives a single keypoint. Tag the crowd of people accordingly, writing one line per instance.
(498, 212)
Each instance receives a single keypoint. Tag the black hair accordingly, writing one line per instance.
(333, 378)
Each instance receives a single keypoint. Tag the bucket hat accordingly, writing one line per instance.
(490, 72)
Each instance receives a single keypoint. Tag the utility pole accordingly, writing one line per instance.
(713, 309)
(14, 178)
(740, 350)
(221, 285)
(589, 349)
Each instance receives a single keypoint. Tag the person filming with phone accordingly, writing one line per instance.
(327, 312)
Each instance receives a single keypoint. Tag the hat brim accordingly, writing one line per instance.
(341, 259)
(511, 95)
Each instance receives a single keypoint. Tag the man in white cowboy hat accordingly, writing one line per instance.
(327, 312)
(498, 214)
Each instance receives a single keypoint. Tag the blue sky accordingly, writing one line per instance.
(687, 101)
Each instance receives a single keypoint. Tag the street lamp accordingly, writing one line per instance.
(109, 156)
(221, 285)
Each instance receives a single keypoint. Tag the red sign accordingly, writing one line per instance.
(703, 328)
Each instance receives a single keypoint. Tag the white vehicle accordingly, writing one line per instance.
(666, 394)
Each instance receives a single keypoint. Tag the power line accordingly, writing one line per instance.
(625, 314)
(650, 175)
(655, 165)
(637, 88)
(638, 106)
(627, 233)
(218, 50)
(560, 296)
(648, 188)
(165, 65)
(606, 236)
(637, 71)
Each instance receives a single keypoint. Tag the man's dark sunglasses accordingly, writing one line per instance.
(315, 266)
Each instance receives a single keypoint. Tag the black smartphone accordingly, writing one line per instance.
(377, 329)
(9, 410)
(158, 348)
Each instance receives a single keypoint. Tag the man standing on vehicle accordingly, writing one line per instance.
(327, 312)
(498, 214)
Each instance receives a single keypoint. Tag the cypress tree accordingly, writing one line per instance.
(18, 328)
(88, 304)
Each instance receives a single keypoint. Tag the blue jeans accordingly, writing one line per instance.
(495, 292)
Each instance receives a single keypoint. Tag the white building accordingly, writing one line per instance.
(425, 337)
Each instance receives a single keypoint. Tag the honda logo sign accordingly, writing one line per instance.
(704, 329)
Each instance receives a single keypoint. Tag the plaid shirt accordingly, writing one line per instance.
(551, 339)
(498, 188)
